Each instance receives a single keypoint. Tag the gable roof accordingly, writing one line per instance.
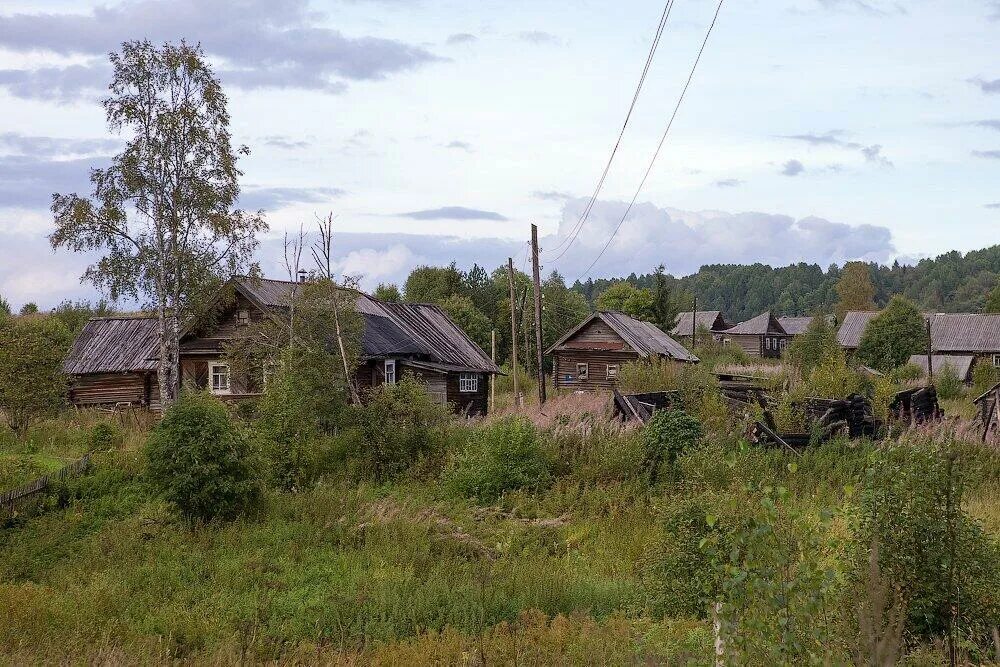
(765, 323)
(794, 326)
(950, 332)
(855, 321)
(961, 364)
(646, 339)
(391, 329)
(114, 345)
(710, 319)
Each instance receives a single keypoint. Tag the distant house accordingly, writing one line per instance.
(761, 336)
(711, 320)
(960, 364)
(590, 355)
(397, 338)
(795, 326)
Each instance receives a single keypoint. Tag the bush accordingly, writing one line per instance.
(893, 335)
(398, 426)
(32, 384)
(200, 461)
(498, 457)
(984, 376)
(948, 384)
(813, 347)
(668, 434)
(104, 436)
(833, 378)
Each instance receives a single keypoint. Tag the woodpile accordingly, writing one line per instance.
(740, 391)
(855, 412)
(916, 405)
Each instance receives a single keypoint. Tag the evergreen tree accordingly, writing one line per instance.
(665, 308)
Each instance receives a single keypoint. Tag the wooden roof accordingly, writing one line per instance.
(960, 363)
(763, 324)
(710, 319)
(646, 339)
(114, 345)
(950, 332)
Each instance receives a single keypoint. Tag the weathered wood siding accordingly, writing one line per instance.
(564, 368)
(470, 403)
(754, 345)
(442, 387)
(112, 388)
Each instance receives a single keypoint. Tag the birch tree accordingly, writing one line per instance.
(163, 213)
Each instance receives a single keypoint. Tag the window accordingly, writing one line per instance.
(612, 371)
(242, 318)
(219, 378)
(726, 342)
(581, 371)
(784, 343)
(996, 360)
(767, 343)
(468, 382)
(390, 371)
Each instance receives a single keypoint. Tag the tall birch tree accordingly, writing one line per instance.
(164, 212)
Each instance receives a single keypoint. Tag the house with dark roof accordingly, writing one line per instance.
(689, 322)
(591, 354)
(396, 338)
(760, 336)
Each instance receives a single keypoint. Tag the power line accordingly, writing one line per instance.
(663, 139)
(572, 235)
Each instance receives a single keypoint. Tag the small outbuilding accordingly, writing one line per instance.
(113, 361)
(960, 364)
(761, 336)
(690, 322)
(590, 355)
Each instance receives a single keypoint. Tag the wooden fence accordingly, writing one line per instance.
(9, 500)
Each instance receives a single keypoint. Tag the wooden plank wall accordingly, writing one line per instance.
(111, 388)
(564, 368)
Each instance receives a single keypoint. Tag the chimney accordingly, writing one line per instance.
(302, 275)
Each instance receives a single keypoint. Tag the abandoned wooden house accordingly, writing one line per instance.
(397, 338)
(973, 335)
(689, 323)
(113, 361)
(761, 336)
(590, 355)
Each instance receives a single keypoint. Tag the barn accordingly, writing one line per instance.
(113, 361)
(590, 355)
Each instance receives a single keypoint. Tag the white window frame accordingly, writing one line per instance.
(220, 390)
(782, 343)
(468, 383)
(612, 371)
(996, 360)
(389, 371)
(582, 371)
(242, 318)
(726, 342)
(767, 342)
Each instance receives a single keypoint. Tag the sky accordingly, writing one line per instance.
(438, 130)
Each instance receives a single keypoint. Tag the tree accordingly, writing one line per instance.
(893, 335)
(4, 307)
(564, 308)
(468, 318)
(200, 461)
(624, 297)
(809, 350)
(433, 284)
(74, 315)
(993, 301)
(854, 289)
(29, 308)
(388, 292)
(163, 211)
(664, 306)
(32, 384)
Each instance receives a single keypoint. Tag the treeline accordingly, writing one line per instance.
(951, 282)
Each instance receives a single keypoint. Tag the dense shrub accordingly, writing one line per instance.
(812, 348)
(104, 436)
(32, 384)
(984, 377)
(398, 426)
(832, 377)
(947, 383)
(200, 461)
(893, 335)
(498, 457)
(668, 434)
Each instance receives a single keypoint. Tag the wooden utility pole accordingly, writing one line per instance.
(930, 350)
(493, 378)
(536, 280)
(526, 350)
(694, 319)
(513, 331)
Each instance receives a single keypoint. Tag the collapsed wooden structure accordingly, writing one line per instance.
(988, 404)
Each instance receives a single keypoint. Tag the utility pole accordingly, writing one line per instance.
(930, 361)
(493, 378)
(513, 330)
(694, 319)
(526, 350)
(536, 279)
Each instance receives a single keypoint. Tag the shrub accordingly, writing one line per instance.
(893, 335)
(984, 376)
(668, 434)
(948, 384)
(498, 457)
(200, 461)
(398, 426)
(32, 384)
(814, 346)
(104, 436)
(833, 378)
(906, 373)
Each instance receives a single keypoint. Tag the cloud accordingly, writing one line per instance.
(27, 181)
(453, 213)
(287, 143)
(989, 155)
(538, 37)
(728, 183)
(271, 198)
(460, 145)
(551, 195)
(462, 38)
(55, 146)
(989, 124)
(988, 87)
(873, 7)
(873, 154)
(260, 42)
(994, 205)
(792, 168)
(31, 271)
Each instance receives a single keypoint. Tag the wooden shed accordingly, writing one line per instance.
(113, 361)
(591, 354)
(690, 321)
(761, 336)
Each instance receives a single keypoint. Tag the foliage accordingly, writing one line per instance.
(433, 284)
(200, 462)
(388, 292)
(811, 348)
(32, 383)
(625, 298)
(564, 309)
(938, 557)
(984, 377)
(499, 457)
(30, 308)
(162, 212)
(665, 308)
(833, 378)
(4, 307)
(947, 383)
(667, 435)
(104, 436)
(398, 426)
(892, 336)
(74, 314)
(476, 325)
(854, 289)
(992, 304)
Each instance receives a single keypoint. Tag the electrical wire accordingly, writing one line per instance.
(659, 147)
(575, 232)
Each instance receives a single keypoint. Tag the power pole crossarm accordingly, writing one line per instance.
(536, 280)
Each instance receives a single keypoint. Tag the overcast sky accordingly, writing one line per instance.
(815, 130)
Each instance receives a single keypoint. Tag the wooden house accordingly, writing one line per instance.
(590, 355)
(761, 336)
(690, 322)
(397, 338)
(959, 364)
(113, 361)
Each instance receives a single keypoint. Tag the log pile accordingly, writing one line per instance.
(740, 391)
(855, 412)
(916, 405)
(989, 412)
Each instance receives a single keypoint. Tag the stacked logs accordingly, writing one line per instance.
(916, 405)
(855, 412)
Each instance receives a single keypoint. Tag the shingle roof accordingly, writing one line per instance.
(961, 364)
(950, 332)
(114, 345)
(710, 319)
(646, 339)
(392, 329)
(763, 324)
